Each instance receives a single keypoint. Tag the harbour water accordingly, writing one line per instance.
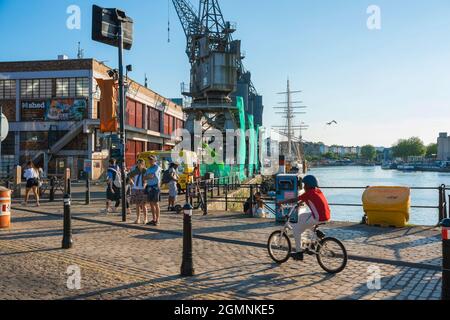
(375, 176)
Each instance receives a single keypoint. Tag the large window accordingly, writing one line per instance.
(7, 89)
(72, 87)
(36, 88)
(154, 119)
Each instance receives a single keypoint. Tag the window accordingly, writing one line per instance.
(154, 120)
(72, 87)
(167, 120)
(7, 89)
(36, 88)
(62, 88)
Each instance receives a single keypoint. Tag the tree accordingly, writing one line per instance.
(368, 153)
(331, 156)
(412, 147)
(432, 150)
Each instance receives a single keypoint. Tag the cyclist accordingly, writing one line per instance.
(317, 204)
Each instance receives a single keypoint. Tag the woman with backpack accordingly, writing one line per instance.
(114, 185)
(172, 181)
(31, 174)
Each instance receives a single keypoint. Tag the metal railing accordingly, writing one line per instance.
(218, 190)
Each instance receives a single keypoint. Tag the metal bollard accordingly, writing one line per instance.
(226, 197)
(52, 189)
(251, 199)
(205, 200)
(445, 224)
(67, 242)
(441, 203)
(211, 188)
(88, 191)
(187, 266)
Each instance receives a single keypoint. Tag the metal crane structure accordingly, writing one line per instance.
(217, 72)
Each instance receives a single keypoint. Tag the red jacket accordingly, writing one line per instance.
(317, 203)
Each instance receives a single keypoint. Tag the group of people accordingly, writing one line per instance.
(142, 189)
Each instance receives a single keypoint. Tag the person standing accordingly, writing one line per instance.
(31, 175)
(114, 185)
(153, 191)
(138, 196)
(173, 185)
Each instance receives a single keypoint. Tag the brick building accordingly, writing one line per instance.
(53, 111)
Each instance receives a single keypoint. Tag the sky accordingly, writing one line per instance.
(379, 85)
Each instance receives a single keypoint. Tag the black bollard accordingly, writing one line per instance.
(67, 242)
(187, 266)
(205, 199)
(445, 224)
(88, 191)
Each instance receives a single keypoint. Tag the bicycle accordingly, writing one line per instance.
(330, 252)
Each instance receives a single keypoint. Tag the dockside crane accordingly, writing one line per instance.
(216, 64)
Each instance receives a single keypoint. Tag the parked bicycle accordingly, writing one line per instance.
(330, 252)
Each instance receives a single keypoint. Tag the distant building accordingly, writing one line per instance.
(443, 147)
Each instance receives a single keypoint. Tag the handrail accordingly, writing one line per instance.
(218, 183)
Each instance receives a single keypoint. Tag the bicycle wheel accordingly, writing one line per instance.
(332, 255)
(279, 247)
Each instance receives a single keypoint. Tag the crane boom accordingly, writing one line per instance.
(190, 22)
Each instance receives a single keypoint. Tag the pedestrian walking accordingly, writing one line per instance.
(114, 187)
(138, 195)
(153, 191)
(173, 185)
(128, 190)
(31, 175)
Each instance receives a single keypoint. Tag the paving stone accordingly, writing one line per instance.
(125, 261)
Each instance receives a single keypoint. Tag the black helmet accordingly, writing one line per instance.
(311, 181)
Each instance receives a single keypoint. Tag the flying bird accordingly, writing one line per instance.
(330, 123)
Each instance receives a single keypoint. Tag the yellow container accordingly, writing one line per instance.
(186, 169)
(387, 206)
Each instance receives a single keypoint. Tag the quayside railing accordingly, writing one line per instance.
(224, 190)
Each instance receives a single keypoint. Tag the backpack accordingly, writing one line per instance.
(116, 181)
(167, 177)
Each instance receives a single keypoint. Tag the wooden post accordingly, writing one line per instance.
(17, 182)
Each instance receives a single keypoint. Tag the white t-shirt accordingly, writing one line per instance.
(30, 173)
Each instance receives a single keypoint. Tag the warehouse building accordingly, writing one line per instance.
(53, 109)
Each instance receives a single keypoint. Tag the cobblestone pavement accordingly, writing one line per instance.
(126, 261)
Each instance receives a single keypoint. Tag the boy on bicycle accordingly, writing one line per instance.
(320, 212)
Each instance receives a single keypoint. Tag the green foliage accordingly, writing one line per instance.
(368, 153)
(410, 147)
(331, 156)
(432, 149)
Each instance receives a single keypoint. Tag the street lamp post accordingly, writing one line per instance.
(122, 121)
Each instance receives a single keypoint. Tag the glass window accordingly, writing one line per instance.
(72, 87)
(62, 88)
(7, 89)
(82, 87)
